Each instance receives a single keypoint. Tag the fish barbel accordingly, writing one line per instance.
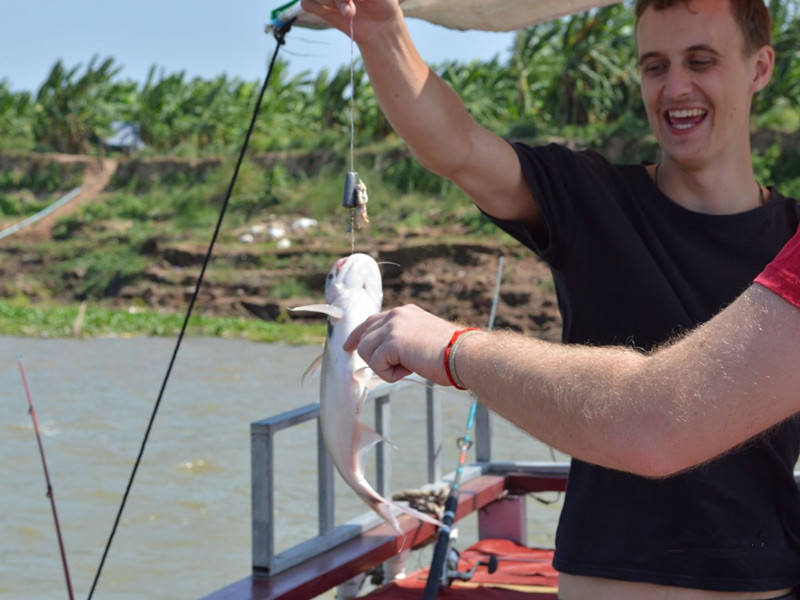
(353, 291)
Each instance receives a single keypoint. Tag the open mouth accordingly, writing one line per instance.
(685, 119)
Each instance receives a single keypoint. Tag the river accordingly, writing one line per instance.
(186, 529)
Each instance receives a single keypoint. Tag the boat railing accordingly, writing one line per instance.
(267, 562)
(262, 436)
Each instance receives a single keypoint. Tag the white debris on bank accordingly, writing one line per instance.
(276, 230)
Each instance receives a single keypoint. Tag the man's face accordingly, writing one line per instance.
(697, 85)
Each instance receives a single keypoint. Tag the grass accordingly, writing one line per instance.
(17, 318)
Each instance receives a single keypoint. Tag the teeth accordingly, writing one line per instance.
(686, 113)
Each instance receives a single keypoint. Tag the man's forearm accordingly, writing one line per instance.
(572, 397)
(650, 414)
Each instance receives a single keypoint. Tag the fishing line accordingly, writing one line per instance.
(354, 196)
(280, 35)
(438, 571)
(352, 132)
(50, 493)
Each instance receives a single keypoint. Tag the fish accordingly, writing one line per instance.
(353, 292)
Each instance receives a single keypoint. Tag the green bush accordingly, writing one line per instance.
(108, 272)
(67, 226)
(10, 206)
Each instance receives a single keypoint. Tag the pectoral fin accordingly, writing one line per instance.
(313, 368)
(326, 309)
(370, 437)
(367, 379)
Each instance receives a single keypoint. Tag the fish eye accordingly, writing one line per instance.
(330, 276)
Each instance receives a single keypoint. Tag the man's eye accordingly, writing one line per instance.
(654, 68)
(700, 63)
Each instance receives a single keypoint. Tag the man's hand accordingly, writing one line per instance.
(370, 15)
(402, 341)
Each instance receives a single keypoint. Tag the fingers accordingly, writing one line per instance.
(328, 9)
(347, 8)
(402, 341)
(352, 341)
(378, 346)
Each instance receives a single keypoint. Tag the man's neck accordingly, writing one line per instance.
(719, 189)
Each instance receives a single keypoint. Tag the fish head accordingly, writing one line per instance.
(354, 274)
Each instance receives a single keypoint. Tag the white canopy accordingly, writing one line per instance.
(486, 15)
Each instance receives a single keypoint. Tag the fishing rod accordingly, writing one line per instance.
(279, 30)
(440, 572)
(50, 493)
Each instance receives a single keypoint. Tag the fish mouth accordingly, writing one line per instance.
(684, 120)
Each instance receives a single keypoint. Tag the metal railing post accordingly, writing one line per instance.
(325, 486)
(483, 434)
(263, 492)
(433, 406)
(383, 459)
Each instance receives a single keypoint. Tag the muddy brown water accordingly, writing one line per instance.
(186, 529)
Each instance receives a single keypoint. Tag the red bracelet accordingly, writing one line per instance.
(449, 357)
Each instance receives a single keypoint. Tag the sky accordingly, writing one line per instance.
(203, 37)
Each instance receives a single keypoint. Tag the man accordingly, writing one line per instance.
(638, 253)
(714, 389)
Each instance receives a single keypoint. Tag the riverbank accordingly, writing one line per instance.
(131, 251)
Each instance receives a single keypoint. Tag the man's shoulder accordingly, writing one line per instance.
(560, 153)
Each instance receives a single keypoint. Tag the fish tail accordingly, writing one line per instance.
(384, 509)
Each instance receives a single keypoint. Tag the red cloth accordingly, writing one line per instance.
(782, 275)
(517, 565)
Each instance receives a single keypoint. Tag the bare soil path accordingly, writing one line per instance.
(96, 177)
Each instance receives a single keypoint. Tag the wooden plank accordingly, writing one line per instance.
(358, 555)
(520, 483)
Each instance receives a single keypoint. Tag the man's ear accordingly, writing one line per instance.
(763, 63)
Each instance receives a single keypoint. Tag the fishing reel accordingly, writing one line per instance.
(451, 572)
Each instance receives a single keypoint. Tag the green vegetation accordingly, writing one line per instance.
(58, 321)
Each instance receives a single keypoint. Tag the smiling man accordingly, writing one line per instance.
(638, 253)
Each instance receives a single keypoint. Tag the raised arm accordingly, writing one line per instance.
(654, 415)
(428, 114)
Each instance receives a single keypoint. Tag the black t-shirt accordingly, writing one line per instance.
(632, 267)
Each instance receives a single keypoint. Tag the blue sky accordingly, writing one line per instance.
(204, 38)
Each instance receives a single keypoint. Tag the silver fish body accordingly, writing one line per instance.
(353, 291)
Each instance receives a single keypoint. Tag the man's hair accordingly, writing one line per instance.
(752, 16)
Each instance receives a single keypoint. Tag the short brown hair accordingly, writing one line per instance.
(752, 16)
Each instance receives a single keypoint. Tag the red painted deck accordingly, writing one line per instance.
(358, 555)
(521, 573)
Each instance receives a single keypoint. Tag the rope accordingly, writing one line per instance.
(280, 35)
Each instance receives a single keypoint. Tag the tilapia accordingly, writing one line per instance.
(353, 291)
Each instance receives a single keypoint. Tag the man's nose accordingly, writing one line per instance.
(679, 83)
